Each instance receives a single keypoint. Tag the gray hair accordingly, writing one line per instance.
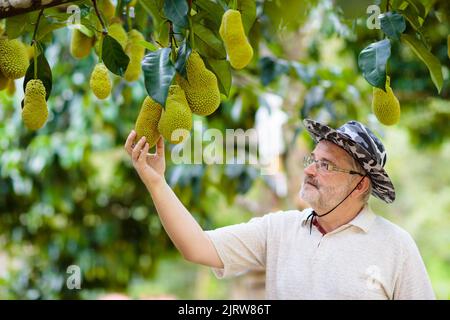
(357, 167)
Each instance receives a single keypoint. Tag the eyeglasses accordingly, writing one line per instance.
(325, 166)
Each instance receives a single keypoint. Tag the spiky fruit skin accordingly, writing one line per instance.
(136, 53)
(201, 88)
(100, 82)
(80, 45)
(3, 81)
(34, 112)
(239, 50)
(13, 58)
(147, 121)
(385, 105)
(177, 115)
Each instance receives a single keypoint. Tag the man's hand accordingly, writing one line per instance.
(186, 234)
(150, 167)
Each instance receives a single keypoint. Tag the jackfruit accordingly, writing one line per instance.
(116, 31)
(13, 58)
(3, 81)
(177, 115)
(385, 105)
(100, 82)
(147, 121)
(81, 44)
(201, 88)
(239, 50)
(34, 112)
(136, 53)
(107, 8)
(30, 51)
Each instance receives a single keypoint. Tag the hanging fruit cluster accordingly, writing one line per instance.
(187, 86)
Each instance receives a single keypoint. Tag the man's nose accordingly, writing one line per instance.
(311, 170)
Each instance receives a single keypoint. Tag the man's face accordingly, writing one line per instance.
(325, 189)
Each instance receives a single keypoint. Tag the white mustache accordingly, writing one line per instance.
(311, 181)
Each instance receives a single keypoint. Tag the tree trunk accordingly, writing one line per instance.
(10, 8)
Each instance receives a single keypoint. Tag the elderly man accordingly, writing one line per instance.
(337, 249)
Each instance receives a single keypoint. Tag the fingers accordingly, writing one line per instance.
(129, 142)
(160, 146)
(137, 149)
(144, 152)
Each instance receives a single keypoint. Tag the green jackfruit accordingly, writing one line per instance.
(116, 31)
(136, 53)
(100, 82)
(239, 50)
(30, 51)
(81, 44)
(385, 105)
(177, 115)
(13, 58)
(107, 8)
(201, 88)
(147, 121)
(34, 112)
(3, 81)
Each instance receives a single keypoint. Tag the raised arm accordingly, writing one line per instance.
(185, 233)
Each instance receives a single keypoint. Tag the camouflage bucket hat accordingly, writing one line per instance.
(362, 145)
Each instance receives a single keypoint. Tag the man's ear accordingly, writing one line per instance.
(362, 186)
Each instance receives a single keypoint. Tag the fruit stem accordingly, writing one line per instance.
(234, 5)
(171, 40)
(34, 42)
(118, 11)
(129, 22)
(104, 31)
(191, 27)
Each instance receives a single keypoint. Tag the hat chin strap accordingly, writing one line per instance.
(315, 214)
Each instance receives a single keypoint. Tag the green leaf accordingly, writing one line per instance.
(213, 11)
(85, 30)
(222, 70)
(418, 7)
(432, 63)
(412, 18)
(46, 26)
(16, 25)
(272, 69)
(214, 46)
(159, 72)
(353, 9)
(44, 73)
(113, 56)
(392, 24)
(176, 11)
(248, 13)
(148, 45)
(372, 61)
(183, 55)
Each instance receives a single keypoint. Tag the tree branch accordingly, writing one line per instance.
(11, 8)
